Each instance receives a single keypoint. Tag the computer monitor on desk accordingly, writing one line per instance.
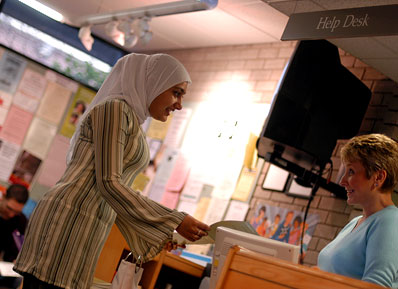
(226, 238)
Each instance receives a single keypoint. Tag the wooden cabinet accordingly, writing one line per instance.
(168, 268)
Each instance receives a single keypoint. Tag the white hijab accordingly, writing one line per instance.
(138, 79)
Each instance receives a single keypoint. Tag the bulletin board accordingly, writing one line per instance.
(36, 108)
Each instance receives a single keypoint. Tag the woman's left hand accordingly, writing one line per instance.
(173, 245)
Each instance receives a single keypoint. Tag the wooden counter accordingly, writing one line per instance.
(247, 269)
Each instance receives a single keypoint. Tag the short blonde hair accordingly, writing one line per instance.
(375, 152)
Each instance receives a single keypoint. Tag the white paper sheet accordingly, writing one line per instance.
(26, 101)
(187, 207)
(39, 137)
(54, 102)
(62, 80)
(8, 156)
(5, 100)
(6, 269)
(163, 173)
(55, 164)
(216, 210)
(32, 83)
(236, 211)
(11, 69)
(275, 179)
(177, 127)
(3, 116)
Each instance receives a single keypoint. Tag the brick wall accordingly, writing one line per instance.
(261, 66)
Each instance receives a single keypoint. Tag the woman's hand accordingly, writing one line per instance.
(192, 229)
(173, 245)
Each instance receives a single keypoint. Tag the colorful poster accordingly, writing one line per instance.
(11, 69)
(25, 169)
(81, 100)
(283, 224)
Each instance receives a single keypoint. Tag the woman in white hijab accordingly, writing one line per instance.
(71, 222)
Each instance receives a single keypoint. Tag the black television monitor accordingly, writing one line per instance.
(317, 102)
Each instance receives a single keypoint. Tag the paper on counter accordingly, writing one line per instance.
(6, 269)
(211, 237)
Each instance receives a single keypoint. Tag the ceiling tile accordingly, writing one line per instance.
(290, 7)
(262, 16)
(218, 22)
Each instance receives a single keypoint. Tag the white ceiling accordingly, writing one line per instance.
(237, 22)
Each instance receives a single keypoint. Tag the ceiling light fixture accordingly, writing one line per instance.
(85, 37)
(144, 14)
(127, 28)
(144, 32)
(112, 31)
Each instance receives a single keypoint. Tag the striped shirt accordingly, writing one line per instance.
(71, 222)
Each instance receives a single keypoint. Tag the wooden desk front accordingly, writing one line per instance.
(247, 269)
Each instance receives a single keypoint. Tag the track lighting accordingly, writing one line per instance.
(122, 21)
(85, 37)
(143, 24)
(111, 28)
(130, 41)
(127, 28)
(143, 30)
(112, 31)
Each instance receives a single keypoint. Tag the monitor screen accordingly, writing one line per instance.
(317, 102)
(227, 238)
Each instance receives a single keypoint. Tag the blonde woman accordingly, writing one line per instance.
(366, 248)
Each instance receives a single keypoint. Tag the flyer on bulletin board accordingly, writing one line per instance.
(81, 100)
